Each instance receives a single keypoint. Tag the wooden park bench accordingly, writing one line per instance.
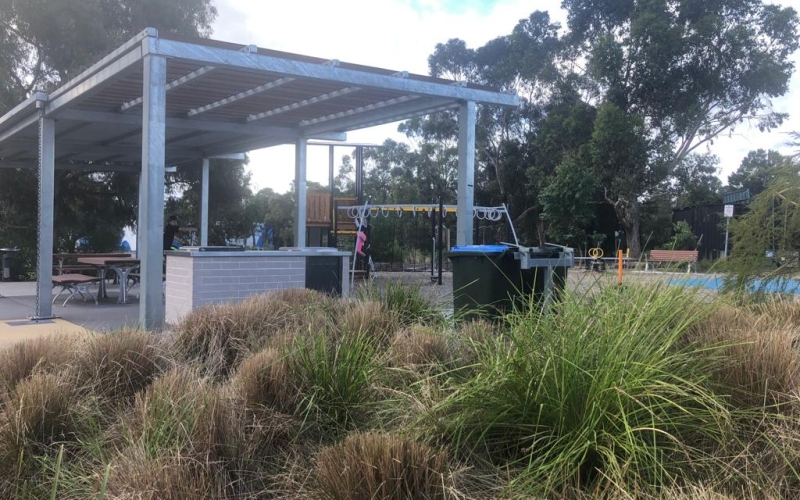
(688, 257)
(74, 283)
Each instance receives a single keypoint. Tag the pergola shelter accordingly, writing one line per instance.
(166, 100)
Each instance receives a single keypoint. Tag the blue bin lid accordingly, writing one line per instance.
(481, 249)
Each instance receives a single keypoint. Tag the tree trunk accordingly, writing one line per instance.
(540, 230)
(628, 216)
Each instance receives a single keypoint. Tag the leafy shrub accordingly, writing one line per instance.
(381, 466)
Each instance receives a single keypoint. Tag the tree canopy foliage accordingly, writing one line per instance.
(618, 110)
(766, 238)
(633, 90)
(44, 43)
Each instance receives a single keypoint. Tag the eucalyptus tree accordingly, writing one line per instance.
(683, 72)
(44, 43)
(757, 169)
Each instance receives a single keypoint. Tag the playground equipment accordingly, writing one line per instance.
(596, 254)
(361, 214)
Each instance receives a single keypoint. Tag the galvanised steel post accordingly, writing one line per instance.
(47, 148)
(154, 81)
(466, 172)
(204, 204)
(300, 155)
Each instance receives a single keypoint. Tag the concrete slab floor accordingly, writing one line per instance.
(12, 332)
(18, 301)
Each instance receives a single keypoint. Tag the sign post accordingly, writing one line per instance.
(728, 215)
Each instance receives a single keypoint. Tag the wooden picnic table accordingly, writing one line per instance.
(121, 265)
(67, 262)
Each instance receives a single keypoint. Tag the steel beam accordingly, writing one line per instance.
(305, 102)
(228, 147)
(177, 123)
(97, 166)
(9, 133)
(404, 116)
(44, 274)
(385, 111)
(135, 42)
(114, 72)
(170, 86)
(27, 107)
(300, 193)
(361, 109)
(466, 172)
(205, 54)
(204, 204)
(238, 97)
(151, 302)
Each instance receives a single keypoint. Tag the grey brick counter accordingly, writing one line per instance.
(197, 278)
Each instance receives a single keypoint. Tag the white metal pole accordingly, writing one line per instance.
(727, 223)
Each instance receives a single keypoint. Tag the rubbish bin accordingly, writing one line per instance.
(9, 255)
(488, 280)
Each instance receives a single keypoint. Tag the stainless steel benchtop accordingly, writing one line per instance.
(305, 252)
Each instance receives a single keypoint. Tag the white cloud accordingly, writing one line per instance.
(400, 35)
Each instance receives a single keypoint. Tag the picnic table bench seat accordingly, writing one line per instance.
(74, 284)
(688, 257)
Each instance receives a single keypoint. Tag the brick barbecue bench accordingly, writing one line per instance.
(681, 256)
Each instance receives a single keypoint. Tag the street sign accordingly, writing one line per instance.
(728, 210)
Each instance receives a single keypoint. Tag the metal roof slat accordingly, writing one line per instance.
(304, 102)
(294, 68)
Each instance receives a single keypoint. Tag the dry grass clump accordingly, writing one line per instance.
(44, 354)
(220, 336)
(381, 466)
(168, 476)
(420, 346)
(263, 380)
(369, 318)
(183, 413)
(34, 416)
(118, 365)
(782, 311)
(760, 361)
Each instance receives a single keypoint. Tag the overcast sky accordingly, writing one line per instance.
(400, 35)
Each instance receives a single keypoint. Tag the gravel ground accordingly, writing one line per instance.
(577, 280)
